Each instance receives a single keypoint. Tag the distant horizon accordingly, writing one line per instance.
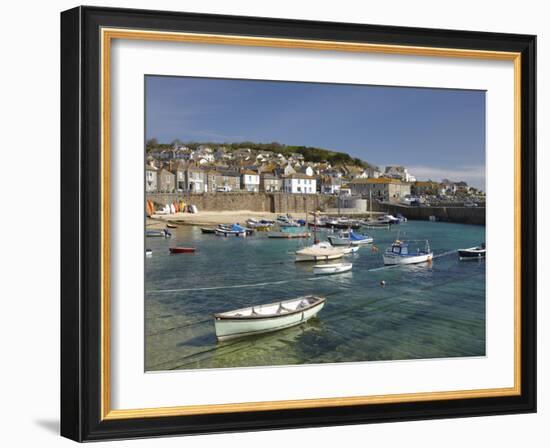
(434, 133)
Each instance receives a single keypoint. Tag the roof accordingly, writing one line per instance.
(299, 176)
(249, 172)
(227, 173)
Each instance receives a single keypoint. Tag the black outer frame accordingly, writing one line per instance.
(81, 208)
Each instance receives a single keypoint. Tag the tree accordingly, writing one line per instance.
(151, 144)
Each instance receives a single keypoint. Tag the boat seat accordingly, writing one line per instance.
(283, 308)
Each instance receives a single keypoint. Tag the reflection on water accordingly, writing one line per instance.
(423, 311)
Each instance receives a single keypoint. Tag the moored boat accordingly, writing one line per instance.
(408, 252)
(343, 223)
(266, 318)
(350, 238)
(375, 224)
(208, 230)
(162, 233)
(182, 250)
(333, 268)
(472, 253)
(233, 230)
(319, 252)
(171, 226)
(401, 218)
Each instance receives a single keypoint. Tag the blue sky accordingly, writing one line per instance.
(436, 133)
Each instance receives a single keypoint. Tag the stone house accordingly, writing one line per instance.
(270, 183)
(227, 178)
(383, 188)
(166, 181)
(151, 184)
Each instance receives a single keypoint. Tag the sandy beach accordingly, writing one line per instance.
(211, 218)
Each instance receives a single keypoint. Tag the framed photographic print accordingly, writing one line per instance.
(277, 224)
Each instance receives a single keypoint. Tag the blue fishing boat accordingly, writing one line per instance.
(350, 238)
(233, 230)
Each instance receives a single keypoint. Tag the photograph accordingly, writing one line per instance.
(295, 223)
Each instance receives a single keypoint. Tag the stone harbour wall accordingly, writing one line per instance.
(256, 202)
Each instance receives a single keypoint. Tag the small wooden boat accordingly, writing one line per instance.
(163, 233)
(401, 252)
(350, 238)
(266, 318)
(472, 253)
(171, 226)
(319, 252)
(208, 230)
(334, 268)
(182, 250)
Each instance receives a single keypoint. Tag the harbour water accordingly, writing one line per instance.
(434, 310)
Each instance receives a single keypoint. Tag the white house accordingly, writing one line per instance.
(300, 183)
(306, 169)
(250, 181)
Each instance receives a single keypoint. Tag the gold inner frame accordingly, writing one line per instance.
(107, 35)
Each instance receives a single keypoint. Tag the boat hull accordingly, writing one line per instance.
(157, 234)
(332, 269)
(221, 232)
(237, 328)
(325, 257)
(471, 255)
(337, 241)
(407, 259)
(182, 250)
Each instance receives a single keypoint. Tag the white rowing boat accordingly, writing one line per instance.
(266, 318)
(334, 268)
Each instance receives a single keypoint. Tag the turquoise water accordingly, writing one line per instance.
(425, 311)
